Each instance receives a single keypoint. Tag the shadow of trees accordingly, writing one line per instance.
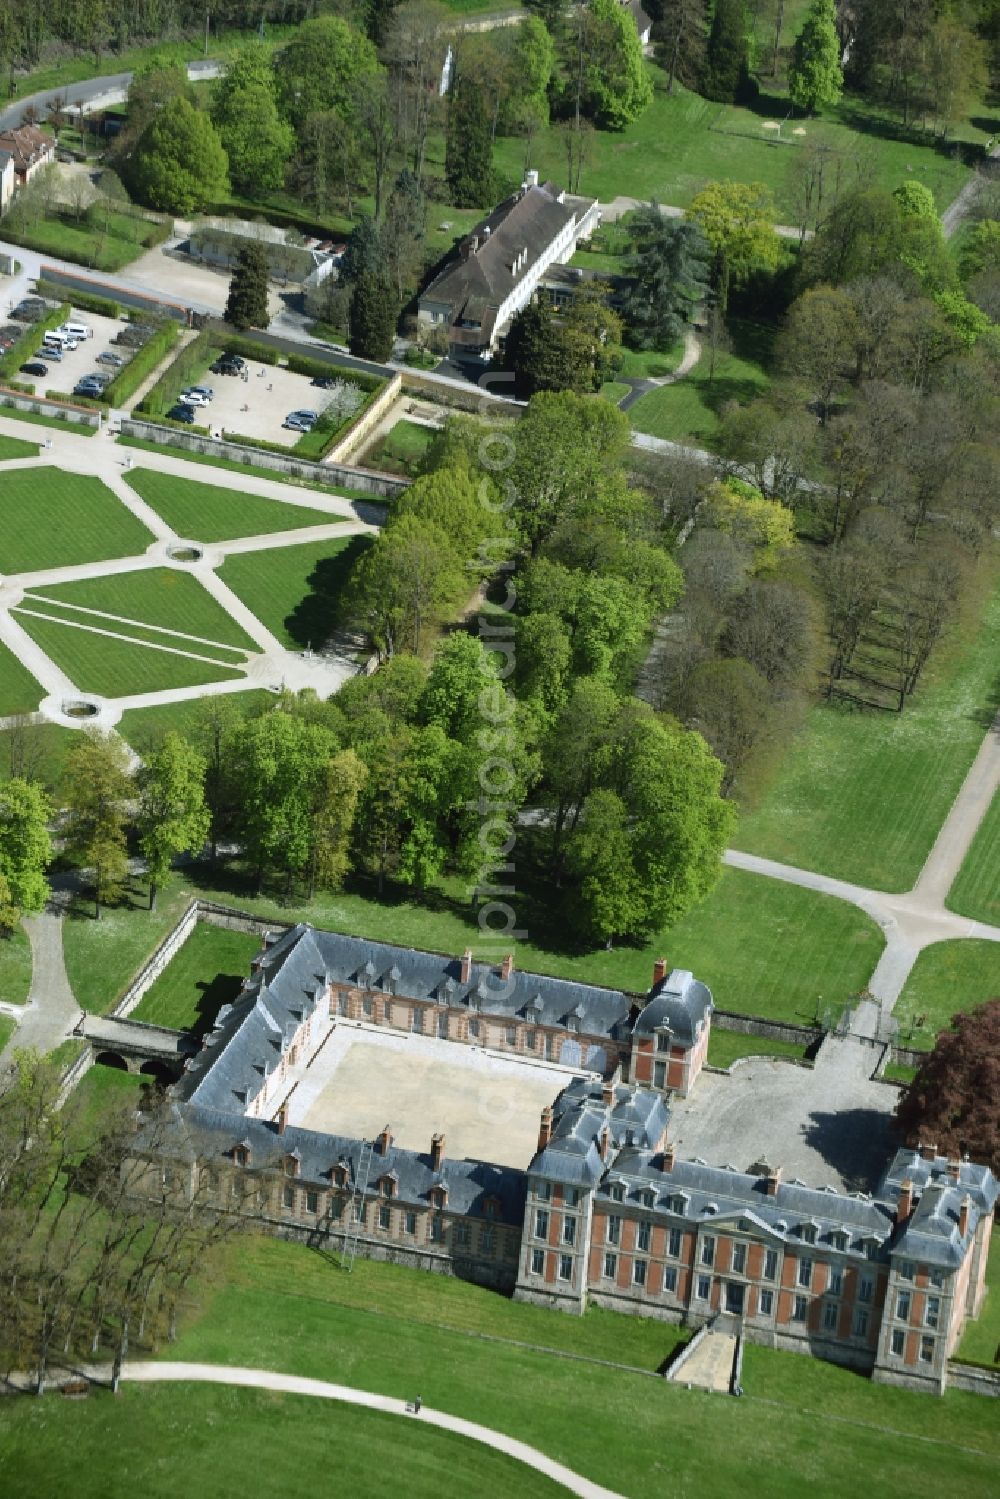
(318, 614)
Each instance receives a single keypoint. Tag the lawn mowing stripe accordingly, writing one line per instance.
(150, 645)
(123, 619)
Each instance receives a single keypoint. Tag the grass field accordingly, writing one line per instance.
(159, 596)
(295, 591)
(946, 978)
(207, 973)
(19, 692)
(35, 418)
(249, 470)
(144, 728)
(861, 794)
(15, 967)
(14, 447)
(614, 391)
(981, 1340)
(689, 410)
(764, 947)
(60, 236)
(209, 512)
(683, 141)
(727, 1046)
(976, 891)
(113, 668)
(651, 363)
(37, 751)
(56, 519)
(402, 449)
(7, 1027)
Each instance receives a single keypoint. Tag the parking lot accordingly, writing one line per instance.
(257, 406)
(82, 360)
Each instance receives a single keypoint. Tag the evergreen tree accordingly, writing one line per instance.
(247, 304)
(681, 31)
(727, 67)
(669, 270)
(469, 147)
(374, 310)
(573, 348)
(815, 76)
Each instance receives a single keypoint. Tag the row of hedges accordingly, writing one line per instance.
(26, 344)
(189, 363)
(86, 301)
(248, 349)
(142, 364)
(321, 369)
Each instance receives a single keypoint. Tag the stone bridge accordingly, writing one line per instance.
(135, 1046)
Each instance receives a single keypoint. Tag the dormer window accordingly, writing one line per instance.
(839, 1241)
(387, 1185)
(807, 1233)
(392, 980)
(616, 1192)
(490, 1208)
(292, 1164)
(663, 1040)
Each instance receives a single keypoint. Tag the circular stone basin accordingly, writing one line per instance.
(78, 708)
(184, 554)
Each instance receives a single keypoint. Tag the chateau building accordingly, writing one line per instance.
(605, 1212)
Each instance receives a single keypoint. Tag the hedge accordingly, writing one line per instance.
(301, 364)
(142, 364)
(26, 344)
(189, 362)
(94, 402)
(85, 300)
(250, 350)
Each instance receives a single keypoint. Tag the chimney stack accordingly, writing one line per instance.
(904, 1207)
(659, 971)
(545, 1129)
(383, 1141)
(282, 1119)
(608, 1095)
(467, 966)
(507, 967)
(605, 1143)
(437, 1152)
(669, 1156)
(773, 1181)
(963, 1215)
(955, 1170)
(928, 1152)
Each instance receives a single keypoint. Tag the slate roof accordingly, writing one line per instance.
(484, 277)
(27, 145)
(211, 1135)
(680, 1002)
(931, 1233)
(713, 1193)
(579, 1117)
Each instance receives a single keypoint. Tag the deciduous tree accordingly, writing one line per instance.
(320, 67)
(255, 138)
(173, 818)
(179, 164)
(954, 1100)
(97, 790)
(25, 847)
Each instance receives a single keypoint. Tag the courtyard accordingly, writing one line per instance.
(486, 1106)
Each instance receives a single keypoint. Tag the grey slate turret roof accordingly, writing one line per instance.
(579, 1118)
(931, 1233)
(681, 1003)
(212, 1135)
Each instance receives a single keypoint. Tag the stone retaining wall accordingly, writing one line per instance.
(775, 1030)
(972, 1380)
(356, 435)
(154, 966)
(73, 416)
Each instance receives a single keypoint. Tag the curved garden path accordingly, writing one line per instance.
(51, 1010)
(149, 1372)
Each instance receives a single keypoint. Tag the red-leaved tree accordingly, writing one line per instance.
(954, 1100)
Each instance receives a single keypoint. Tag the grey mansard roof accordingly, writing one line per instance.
(579, 1117)
(680, 1002)
(931, 1233)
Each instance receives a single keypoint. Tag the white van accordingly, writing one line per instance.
(77, 330)
(60, 339)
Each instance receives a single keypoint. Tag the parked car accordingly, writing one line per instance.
(182, 413)
(50, 352)
(226, 366)
(301, 421)
(35, 367)
(88, 387)
(109, 358)
(197, 395)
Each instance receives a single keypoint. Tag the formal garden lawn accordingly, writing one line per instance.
(295, 591)
(19, 692)
(764, 947)
(149, 602)
(206, 973)
(976, 891)
(14, 447)
(402, 449)
(111, 667)
(690, 409)
(210, 512)
(862, 794)
(946, 978)
(145, 728)
(15, 967)
(725, 1047)
(682, 142)
(248, 470)
(57, 519)
(981, 1339)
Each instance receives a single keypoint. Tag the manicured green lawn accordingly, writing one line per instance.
(234, 1441)
(144, 728)
(113, 668)
(599, 260)
(689, 410)
(159, 596)
(103, 956)
(651, 363)
(13, 447)
(726, 1046)
(402, 449)
(37, 419)
(209, 512)
(56, 519)
(614, 391)
(249, 470)
(683, 141)
(862, 794)
(976, 891)
(898, 1072)
(981, 1339)
(207, 973)
(295, 591)
(946, 978)
(15, 967)
(102, 1088)
(19, 692)
(64, 238)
